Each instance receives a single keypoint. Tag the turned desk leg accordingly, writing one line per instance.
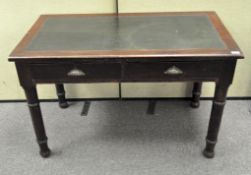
(37, 121)
(215, 120)
(195, 103)
(61, 96)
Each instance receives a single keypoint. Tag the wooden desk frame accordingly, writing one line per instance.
(196, 65)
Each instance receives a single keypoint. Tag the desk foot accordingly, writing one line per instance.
(208, 154)
(63, 105)
(209, 150)
(195, 104)
(45, 153)
(44, 149)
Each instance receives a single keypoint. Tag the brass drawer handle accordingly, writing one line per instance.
(173, 71)
(76, 73)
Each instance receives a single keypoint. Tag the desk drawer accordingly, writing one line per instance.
(79, 72)
(172, 71)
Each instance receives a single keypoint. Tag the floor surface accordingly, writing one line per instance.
(118, 137)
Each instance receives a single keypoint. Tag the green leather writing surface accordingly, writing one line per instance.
(126, 33)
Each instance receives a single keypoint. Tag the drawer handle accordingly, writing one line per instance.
(76, 73)
(173, 71)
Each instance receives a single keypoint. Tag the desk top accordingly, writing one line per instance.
(146, 35)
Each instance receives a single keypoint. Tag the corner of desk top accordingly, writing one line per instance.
(12, 56)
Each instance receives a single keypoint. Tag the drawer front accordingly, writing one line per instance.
(80, 72)
(173, 71)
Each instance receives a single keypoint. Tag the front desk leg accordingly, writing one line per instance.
(195, 103)
(215, 119)
(61, 96)
(37, 121)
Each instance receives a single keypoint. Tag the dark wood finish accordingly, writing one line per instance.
(215, 119)
(61, 96)
(195, 103)
(21, 54)
(92, 72)
(191, 70)
(37, 121)
(128, 66)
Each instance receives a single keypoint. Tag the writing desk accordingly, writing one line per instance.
(144, 47)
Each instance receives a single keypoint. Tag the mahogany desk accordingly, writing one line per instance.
(146, 47)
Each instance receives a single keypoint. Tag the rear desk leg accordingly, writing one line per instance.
(195, 103)
(61, 96)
